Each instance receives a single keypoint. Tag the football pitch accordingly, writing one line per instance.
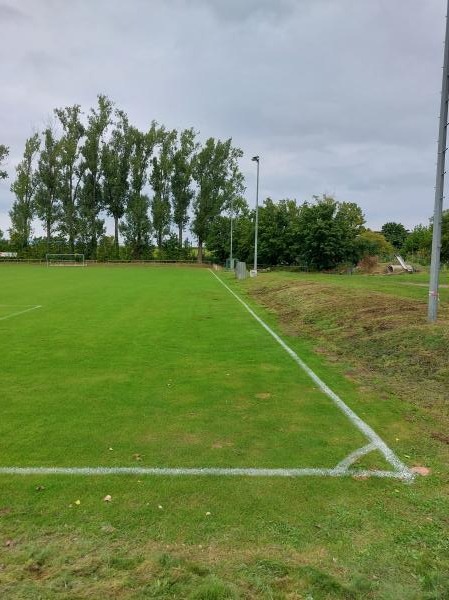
(163, 371)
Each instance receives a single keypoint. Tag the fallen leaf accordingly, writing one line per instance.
(420, 470)
(39, 488)
(77, 502)
(8, 543)
(137, 456)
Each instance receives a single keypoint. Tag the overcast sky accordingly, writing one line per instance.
(336, 96)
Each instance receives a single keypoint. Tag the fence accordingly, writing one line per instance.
(175, 263)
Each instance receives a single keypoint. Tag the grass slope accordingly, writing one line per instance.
(205, 538)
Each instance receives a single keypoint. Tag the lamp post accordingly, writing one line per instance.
(439, 187)
(231, 265)
(256, 159)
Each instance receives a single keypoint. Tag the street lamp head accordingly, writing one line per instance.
(255, 159)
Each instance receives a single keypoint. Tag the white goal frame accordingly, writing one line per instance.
(65, 260)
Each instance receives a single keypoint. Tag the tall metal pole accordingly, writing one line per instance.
(231, 266)
(256, 159)
(439, 185)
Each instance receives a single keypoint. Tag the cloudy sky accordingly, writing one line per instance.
(336, 96)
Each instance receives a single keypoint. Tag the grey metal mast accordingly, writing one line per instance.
(256, 159)
(439, 186)
(231, 266)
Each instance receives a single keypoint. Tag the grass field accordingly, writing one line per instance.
(162, 367)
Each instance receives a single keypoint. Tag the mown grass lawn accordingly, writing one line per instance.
(162, 367)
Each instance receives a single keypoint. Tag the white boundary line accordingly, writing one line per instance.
(20, 312)
(336, 472)
(376, 443)
(341, 470)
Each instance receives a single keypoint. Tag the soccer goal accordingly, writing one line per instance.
(65, 260)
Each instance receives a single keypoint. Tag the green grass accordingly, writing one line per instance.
(160, 363)
(137, 359)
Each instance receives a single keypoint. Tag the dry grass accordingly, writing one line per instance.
(384, 338)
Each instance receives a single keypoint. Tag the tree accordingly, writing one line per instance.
(90, 204)
(116, 166)
(327, 232)
(278, 232)
(24, 188)
(214, 167)
(136, 227)
(445, 237)
(142, 148)
(419, 243)
(160, 180)
(182, 193)
(372, 243)
(395, 233)
(48, 175)
(4, 151)
(71, 173)
(219, 236)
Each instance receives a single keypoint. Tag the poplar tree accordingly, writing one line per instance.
(116, 166)
(90, 200)
(24, 187)
(71, 172)
(214, 169)
(136, 226)
(181, 191)
(4, 151)
(46, 200)
(160, 180)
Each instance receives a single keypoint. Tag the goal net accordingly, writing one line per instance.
(65, 260)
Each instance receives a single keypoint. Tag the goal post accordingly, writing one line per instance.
(65, 260)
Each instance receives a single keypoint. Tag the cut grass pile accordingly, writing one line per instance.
(106, 364)
(380, 336)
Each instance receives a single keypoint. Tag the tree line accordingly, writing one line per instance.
(322, 235)
(157, 184)
(81, 169)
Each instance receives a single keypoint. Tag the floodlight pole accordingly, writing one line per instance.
(256, 159)
(232, 227)
(439, 185)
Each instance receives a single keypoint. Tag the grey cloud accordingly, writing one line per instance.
(336, 96)
(11, 14)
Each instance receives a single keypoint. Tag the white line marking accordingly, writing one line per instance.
(203, 471)
(341, 470)
(20, 312)
(369, 433)
(354, 456)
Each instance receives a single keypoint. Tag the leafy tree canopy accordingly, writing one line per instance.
(395, 233)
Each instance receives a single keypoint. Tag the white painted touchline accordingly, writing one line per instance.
(20, 312)
(369, 433)
(204, 471)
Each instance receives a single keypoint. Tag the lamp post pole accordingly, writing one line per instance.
(232, 227)
(256, 159)
(439, 187)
